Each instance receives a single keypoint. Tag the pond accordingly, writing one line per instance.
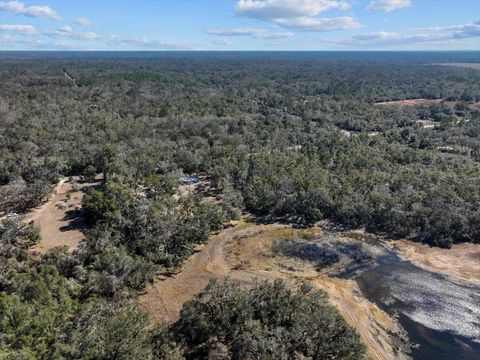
(442, 318)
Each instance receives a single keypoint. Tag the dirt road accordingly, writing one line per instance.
(165, 298)
(244, 254)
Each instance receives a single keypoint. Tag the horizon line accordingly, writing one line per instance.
(227, 51)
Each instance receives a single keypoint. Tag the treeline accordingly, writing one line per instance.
(134, 236)
(283, 137)
(303, 128)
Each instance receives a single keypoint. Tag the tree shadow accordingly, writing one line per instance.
(76, 221)
(207, 190)
(268, 219)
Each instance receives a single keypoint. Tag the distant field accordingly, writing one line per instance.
(410, 102)
(475, 66)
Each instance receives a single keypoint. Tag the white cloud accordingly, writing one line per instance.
(282, 9)
(394, 37)
(388, 5)
(66, 29)
(41, 44)
(88, 36)
(67, 32)
(276, 36)
(83, 21)
(79, 39)
(298, 14)
(251, 32)
(118, 40)
(21, 29)
(320, 24)
(17, 7)
(13, 36)
(115, 40)
(426, 36)
(234, 32)
(466, 31)
(221, 42)
(7, 39)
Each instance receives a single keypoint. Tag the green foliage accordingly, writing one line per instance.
(105, 331)
(108, 205)
(16, 238)
(45, 315)
(232, 201)
(35, 301)
(297, 145)
(267, 322)
(137, 234)
(89, 173)
(159, 185)
(18, 196)
(295, 138)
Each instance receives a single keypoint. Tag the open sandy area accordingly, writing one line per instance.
(475, 66)
(60, 219)
(244, 254)
(461, 263)
(410, 102)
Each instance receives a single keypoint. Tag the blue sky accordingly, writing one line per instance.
(240, 25)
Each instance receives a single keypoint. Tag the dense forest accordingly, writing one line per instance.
(283, 137)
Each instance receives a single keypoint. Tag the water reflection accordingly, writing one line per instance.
(442, 318)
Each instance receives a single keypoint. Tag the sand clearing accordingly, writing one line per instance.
(244, 254)
(60, 219)
(165, 298)
(461, 263)
(410, 102)
(475, 66)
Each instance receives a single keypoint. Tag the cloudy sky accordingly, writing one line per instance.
(240, 25)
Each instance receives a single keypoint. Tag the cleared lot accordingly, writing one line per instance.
(60, 219)
(410, 102)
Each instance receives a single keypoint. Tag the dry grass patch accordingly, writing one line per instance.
(409, 102)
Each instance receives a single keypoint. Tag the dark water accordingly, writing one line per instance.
(442, 318)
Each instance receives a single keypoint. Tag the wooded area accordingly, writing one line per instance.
(284, 137)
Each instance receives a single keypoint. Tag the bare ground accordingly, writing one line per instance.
(410, 102)
(475, 66)
(461, 263)
(244, 254)
(60, 220)
(203, 186)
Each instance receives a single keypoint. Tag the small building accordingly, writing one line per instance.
(189, 179)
